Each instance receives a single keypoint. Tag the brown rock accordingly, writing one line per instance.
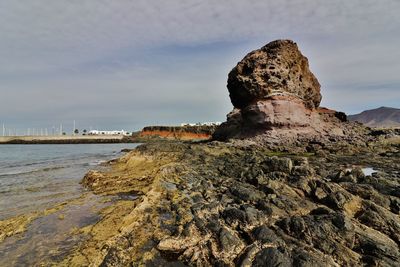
(276, 100)
(278, 111)
(278, 68)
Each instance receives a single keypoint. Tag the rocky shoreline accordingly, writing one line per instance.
(286, 186)
(283, 183)
(229, 204)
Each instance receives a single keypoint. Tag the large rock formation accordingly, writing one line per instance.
(277, 69)
(275, 94)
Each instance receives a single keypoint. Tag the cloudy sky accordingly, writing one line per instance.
(131, 63)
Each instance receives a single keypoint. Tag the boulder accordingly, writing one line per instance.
(276, 96)
(277, 68)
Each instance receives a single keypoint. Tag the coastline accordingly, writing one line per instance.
(209, 204)
(51, 220)
(182, 203)
(70, 139)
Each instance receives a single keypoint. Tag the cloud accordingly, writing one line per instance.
(65, 33)
(142, 55)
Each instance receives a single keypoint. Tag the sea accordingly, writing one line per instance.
(36, 177)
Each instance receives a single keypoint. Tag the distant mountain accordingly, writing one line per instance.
(382, 117)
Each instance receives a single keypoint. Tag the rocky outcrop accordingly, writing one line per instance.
(176, 132)
(220, 204)
(243, 204)
(275, 94)
(277, 68)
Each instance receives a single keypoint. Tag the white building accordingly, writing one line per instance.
(97, 132)
(202, 124)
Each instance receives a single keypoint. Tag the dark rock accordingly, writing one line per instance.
(303, 171)
(342, 222)
(341, 116)
(228, 240)
(303, 258)
(293, 225)
(266, 189)
(264, 234)
(376, 250)
(272, 257)
(253, 215)
(395, 205)
(232, 215)
(320, 211)
(213, 224)
(265, 206)
(246, 193)
(381, 220)
(337, 200)
(275, 164)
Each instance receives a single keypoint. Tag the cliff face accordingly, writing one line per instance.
(177, 132)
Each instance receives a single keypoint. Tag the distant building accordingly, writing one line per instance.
(202, 124)
(97, 132)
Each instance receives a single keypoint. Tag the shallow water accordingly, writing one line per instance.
(35, 177)
(51, 237)
(368, 171)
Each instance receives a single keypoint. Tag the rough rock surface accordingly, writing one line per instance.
(277, 68)
(291, 193)
(220, 204)
(276, 96)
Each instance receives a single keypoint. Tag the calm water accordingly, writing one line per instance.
(35, 177)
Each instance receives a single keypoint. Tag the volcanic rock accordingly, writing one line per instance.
(223, 204)
(275, 95)
(278, 68)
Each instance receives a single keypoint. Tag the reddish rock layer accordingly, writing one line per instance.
(175, 135)
(202, 132)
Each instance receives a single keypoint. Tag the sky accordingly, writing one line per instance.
(125, 64)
